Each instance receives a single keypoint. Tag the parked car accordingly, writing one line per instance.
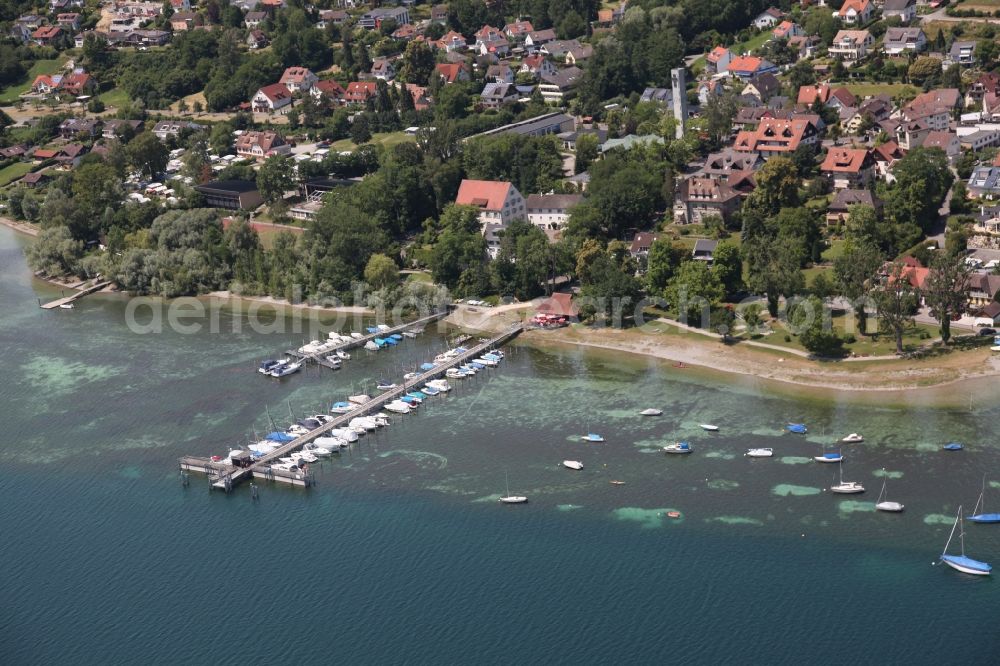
(986, 331)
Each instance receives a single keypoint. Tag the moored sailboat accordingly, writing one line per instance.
(961, 562)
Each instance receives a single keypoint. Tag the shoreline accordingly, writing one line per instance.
(226, 295)
(25, 228)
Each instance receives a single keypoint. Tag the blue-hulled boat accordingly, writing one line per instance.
(477, 365)
(419, 395)
(952, 446)
(797, 428)
(411, 400)
(371, 329)
(983, 517)
(396, 336)
(427, 366)
(391, 341)
(280, 437)
(961, 562)
(592, 437)
(830, 458)
(430, 390)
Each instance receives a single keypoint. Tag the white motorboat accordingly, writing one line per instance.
(363, 422)
(317, 450)
(66, 306)
(371, 346)
(410, 334)
(304, 456)
(573, 464)
(511, 499)
(440, 384)
(455, 373)
(342, 407)
(759, 453)
(652, 411)
(489, 362)
(709, 427)
(846, 487)
(288, 460)
(331, 443)
(287, 467)
(359, 399)
(398, 407)
(356, 335)
(285, 370)
(678, 447)
(410, 375)
(343, 356)
(386, 386)
(297, 430)
(322, 418)
(334, 362)
(853, 438)
(344, 433)
(883, 503)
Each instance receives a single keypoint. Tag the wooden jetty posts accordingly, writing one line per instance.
(226, 477)
(66, 300)
(320, 357)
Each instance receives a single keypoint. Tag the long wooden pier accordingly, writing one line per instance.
(226, 477)
(66, 300)
(320, 357)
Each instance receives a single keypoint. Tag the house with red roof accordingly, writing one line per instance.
(271, 99)
(359, 92)
(47, 35)
(809, 95)
(498, 202)
(538, 66)
(777, 136)
(518, 30)
(69, 20)
(452, 41)
(747, 67)
(848, 167)
(450, 72)
(717, 60)
(77, 83)
(855, 12)
(787, 30)
(261, 145)
(45, 84)
(328, 90)
(298, 79)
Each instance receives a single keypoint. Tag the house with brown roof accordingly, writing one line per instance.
(298, 79)
(272, 99)
(951, 145)
(77, 83)
(261, 145)
(359, 92)
(641, 244)
(855, 12)
(328, 90)
(184, 21)
(73, 128)
(452, 41)
(70, 21)
(848, 167)
(34, 179)
(535, 40)
(114, 128)
(254, 19)
(839, 208)
(498, 202)
(451, 72)
(383, 69)
(886, 156)
(439, 13)
(851, 45)
(762, 87)
(768, 18)
(47, 35)
(256, 39)
(777, 136)
(904, 10)
(699, 197)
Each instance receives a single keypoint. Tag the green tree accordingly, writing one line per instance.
(777, 188)
(923, 68)
(381, 272)
(147, 154)
(55, 252)
(460, 247)
(855, 271)
(896, 301)
(360, 134)
(727, 265)
(773, 269)
(586, 152)
(945, 289)
(811, 319)
(274, 178)
(664, 259)
(692, 293)
(524, 261)
(418, 63)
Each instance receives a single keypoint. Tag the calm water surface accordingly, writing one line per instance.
(402, 554)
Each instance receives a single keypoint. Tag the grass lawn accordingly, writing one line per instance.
(891, 89)
(878, 345)
(751, 44)
(115, 97)
(387, 139)
(13, 172)
(835, 250)
(11, 94)
(419, 277)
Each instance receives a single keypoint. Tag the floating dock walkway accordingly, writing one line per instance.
(66, 300)
(320, 357)
(225, 477)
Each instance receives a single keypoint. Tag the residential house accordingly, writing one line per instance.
(872, 110)
(550, 212)
(421, 102)
(518, 30)
(778, 136)
(495, 50)
(535, 40)
(537, 65)
(231, 194)
(406, 32)
(984, 182)
(329, 91)
(439, 14)
(501, 73)
(841, 99)
(578, 54)
(34, 179)
(256, 39)
(332, 17)
(747, 67)
(46, 84)
(763, 87)
(569, 139)
(184, 21)
(47, 35)
(851, 45)
(73, 128)
(856, 12)
(963, 53)
(372, 20)
(904, 10)
(452, 41)
(180, 5)
(497, 95)
(641, 244)
(848, 167)
(359, 92)
(804, 46)
(839, 208)
(886, 155)
(272, 99)
(898, 41)
(499, 204)
(383, 69)
(560, 49)
(809, 95)
(298, 79)
(982, 289)
(261, 145)
(704, 250)
(70, 21)
(114, 128)
(554, 87)
(25, 25)
(699, 197)
(787, 30)
(974, 141)
(709, 89)
(730, 166)
(661, 96)
(451, 72)
(253, 19)
(768, 18)
(717, 60)
(911, 133)
(987, 82)
(77, 83)
(172, 128)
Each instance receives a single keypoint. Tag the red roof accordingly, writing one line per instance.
(844, 160)
(485, 194)
(276, 92)
(717, 54)
(809, 94)
(744, 64)
(450, 71)
(47, 32)
(359, 91)
(329, 87)
(558, 304)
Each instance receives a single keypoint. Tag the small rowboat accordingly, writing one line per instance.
(652, 411)
(709, 427)
(572, 464)
(952, 446)
(616, 482)
(673, 514)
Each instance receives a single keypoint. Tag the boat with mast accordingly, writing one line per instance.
(983, 517)
(883, 503)
(508, 498)
(846, 487)
(961, 562)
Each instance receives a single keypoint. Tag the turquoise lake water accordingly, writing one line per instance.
(401, 553)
